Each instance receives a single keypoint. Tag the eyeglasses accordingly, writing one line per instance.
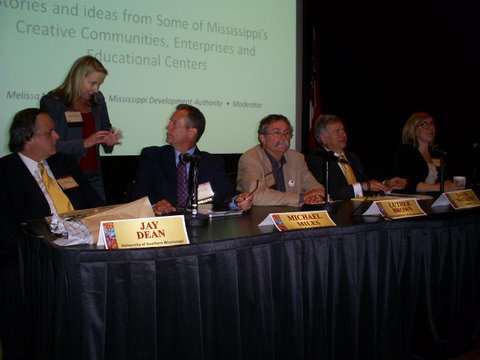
(426, 125)
(278, 133)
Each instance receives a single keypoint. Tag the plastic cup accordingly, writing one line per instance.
(460, 181)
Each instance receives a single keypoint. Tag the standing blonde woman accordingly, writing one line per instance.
(414, 159)
(81, 118)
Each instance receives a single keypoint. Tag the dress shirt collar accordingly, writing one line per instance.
(279, 163)
(32, 165)
(277, 170)
(178, 153)
(342, 153)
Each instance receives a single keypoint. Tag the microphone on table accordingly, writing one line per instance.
(186, 158)
(328, 155)
(341, 160)
(194, 218)
(354, 167)
(436, 151)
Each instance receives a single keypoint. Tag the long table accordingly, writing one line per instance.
(366, 289)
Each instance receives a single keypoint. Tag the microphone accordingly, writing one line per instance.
(186, 158)
(328, 155)
(436, 151)
(341, 159)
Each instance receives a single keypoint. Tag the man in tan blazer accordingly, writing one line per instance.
(282, 174)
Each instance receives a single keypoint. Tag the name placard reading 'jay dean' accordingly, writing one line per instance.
(143, 233)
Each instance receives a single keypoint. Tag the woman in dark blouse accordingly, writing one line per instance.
(415, 161)
(81, 119)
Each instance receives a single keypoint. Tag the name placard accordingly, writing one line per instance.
(395, 209)
(460, 199)
(143, 233)
(205, 193)
(298, 220)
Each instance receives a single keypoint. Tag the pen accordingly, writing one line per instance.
(254, 189)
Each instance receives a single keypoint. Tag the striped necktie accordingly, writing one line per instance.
(60, 200)
(347, 170)
(182, 184)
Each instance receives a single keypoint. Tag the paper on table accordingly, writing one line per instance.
(208, 209)
(140, 208)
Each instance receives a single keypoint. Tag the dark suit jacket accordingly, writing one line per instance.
(338, 187)
(410, 164)
(157, 175)
(22, 199)
(71, 137)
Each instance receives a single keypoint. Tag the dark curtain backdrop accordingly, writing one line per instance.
(382, 61)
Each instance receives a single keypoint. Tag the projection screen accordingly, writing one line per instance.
(236, 61)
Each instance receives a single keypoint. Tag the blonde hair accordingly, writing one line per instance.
(71, 88)
(408, 132)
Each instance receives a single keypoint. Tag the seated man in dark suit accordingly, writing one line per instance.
(24, 196)
(157, 169)
(347, 178)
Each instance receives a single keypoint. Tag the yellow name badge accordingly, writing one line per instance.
(460, 199)
(73, 117)
(143, 233)
(67, 183)
(395, 209)
(298, 220)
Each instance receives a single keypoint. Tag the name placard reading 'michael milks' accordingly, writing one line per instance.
(298, 220)
(143, 233)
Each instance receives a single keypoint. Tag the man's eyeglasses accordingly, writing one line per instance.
(278, 133)
(426, 125)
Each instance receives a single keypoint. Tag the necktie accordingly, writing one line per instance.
(60, 200)
(182, 184)
(347, 170)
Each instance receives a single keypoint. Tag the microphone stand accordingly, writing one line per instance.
(442, 169)
(442, 154)
(327, 182)
(195, 219)
(329, 156)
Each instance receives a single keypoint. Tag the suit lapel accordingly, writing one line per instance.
(26, 181)
(168, 162)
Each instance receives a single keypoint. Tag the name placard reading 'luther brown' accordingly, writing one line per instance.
(395, 209)
(143, 233)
